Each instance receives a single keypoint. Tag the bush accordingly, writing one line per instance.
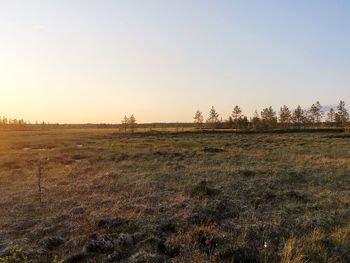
(203, 189)
(16, 255)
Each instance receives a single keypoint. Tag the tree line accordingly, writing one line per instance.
(9, 121)
(269, 119)
(20, 124)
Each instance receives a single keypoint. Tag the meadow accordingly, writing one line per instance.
(168, 196)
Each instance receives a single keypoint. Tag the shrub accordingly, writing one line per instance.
(16, 255)
(203, 189)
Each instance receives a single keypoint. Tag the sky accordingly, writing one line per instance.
(89, 61)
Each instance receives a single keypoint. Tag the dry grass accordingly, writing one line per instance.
(175, 197)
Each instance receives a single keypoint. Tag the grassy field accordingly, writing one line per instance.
(174, 197)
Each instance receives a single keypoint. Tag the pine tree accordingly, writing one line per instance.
(243, 122)
(125, 123)
(268, 117)
(285, 116)
(331, 115)
(132, 122)
(315, 113)
(198, 119)
(236, 116)
(213, 119)
(298, 116)
(236, 113)
(256, 122)
(342, 116)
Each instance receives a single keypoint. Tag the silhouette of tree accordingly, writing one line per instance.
(315, 113)
(342, 116)
(198, 119)
(298, 117)
(125, 123)
(236, 116)
(268, 117)
(243, 122)
(256, 121)
(213, 119)
(132, 122)
(331, 115)
(285, 116)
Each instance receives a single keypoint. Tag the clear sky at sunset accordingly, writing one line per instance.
(94, 61)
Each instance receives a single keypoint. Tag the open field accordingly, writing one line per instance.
(175, 197)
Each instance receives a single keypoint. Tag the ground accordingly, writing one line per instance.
(174, 197)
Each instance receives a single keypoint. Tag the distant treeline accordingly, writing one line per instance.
(20, 124)
(269, 119)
